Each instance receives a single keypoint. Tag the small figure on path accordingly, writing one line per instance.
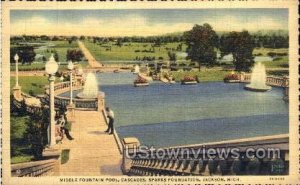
(111, 117)
(62, 122)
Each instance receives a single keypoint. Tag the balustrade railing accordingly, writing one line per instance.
(270, 80)
(193, 160)
(60, 101)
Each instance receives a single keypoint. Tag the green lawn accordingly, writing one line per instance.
(129, 51)
(29, 84)
(282, 62)
(60, 47)
(26, 67)
(265, 51)
(204, 76)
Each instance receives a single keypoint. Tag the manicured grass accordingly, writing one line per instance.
(205, 75)
(60, 47)
(281, 62)
(128, 51)
(21, 159)
(34, 84)
(65, 156)
(38, 66)
(265, 51)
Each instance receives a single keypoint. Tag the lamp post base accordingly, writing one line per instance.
(71, 111)
(17, 92)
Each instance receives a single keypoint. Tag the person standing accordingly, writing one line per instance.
(111, 119)
(64, 129)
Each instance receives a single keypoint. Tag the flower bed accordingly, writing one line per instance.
(140, 80)
(188, 79)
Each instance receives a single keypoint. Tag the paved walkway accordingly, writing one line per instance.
(91, 60)
(92, 152)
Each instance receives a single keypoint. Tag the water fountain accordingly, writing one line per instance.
(90, 89)
(258, 79)
(136, 69)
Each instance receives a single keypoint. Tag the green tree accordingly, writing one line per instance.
(172, 56)
(119, 42)
(37, 131)
(74, 55)
(55, 55)
(201, 42)
(26, 54)
(241, 46)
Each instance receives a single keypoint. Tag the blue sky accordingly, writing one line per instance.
(143, 22)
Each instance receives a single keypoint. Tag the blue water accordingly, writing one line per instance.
(170, 115)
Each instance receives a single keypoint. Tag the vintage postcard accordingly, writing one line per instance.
(166, 92)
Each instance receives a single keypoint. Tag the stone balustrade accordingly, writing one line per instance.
(271, 80)
(200, 163)
(47, 167)
(83, 104)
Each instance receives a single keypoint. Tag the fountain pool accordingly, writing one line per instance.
(171, 115)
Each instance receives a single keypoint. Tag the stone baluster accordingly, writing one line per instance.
(253, 166)
(223, 166)
(212, 166)
(236, 167)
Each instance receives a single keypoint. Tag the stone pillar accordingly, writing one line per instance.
(130, 144)
(71, 87)
(52, 141)
(242, 76)
(101, 101)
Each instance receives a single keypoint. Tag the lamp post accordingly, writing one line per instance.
(17, 70)
(51, 68)
(71, 67)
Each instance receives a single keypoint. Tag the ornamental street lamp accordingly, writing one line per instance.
(71, 67)
(51, 68)
(17, 70)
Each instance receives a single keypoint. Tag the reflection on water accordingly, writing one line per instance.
(169, 115)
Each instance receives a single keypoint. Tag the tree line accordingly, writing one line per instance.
(267, 39)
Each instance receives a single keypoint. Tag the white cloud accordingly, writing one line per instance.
(231, 23)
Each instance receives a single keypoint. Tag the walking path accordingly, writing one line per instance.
(91, 60)
(92, 152)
